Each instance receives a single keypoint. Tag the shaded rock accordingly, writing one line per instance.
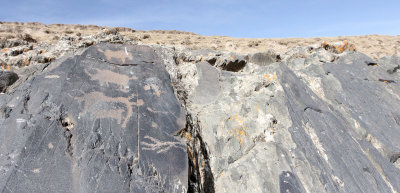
(264, 58)
(195, 56)
(231, 62)
(89, 125)
(26, 37)
(42, 59)
(146, 36)
(7, 78)
(19, 50)
(11, 43)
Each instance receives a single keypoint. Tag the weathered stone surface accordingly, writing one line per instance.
(103, 121)
(208, 88)
(107, 120)
(25, 51)
(316, 122)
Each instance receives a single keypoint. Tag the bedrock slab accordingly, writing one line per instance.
(304, 124)
(102, 121)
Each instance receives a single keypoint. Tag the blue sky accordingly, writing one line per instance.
(251, 18)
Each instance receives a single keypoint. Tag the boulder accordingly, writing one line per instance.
(102, 121)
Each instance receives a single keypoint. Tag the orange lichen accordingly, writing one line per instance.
(345, 45)
(239, 132)
(4, 50)
(352, 47)
(267, 77)
(274, 77)
(324, 45)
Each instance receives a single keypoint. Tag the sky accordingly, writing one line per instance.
(250, 18)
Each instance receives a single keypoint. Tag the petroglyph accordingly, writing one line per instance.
(72, 122)
(154, 87)
(107, 76)
(101, 106)
(155, 111)
(160, 146)
(52, 76)
(139, 102)
(122, 55)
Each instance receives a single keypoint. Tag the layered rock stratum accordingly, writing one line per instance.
(100, 111)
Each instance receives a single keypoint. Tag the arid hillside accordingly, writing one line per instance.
(375, 46)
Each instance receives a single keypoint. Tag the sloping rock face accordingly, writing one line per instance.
(321, 122)
(103, 121)
(124, 118)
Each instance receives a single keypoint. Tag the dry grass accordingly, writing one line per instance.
(375, 46)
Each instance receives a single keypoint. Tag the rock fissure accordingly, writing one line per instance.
(200, 175)
(394, 70)
(68, 125)
(386, 81)
(314, 109)
(394, 158)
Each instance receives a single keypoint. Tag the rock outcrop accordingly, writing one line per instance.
(317, 121)
(130, 118)
(103, 121)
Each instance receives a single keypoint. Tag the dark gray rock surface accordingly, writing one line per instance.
(329, 143)
(317, 121)
(109, 119)
(103, 121)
